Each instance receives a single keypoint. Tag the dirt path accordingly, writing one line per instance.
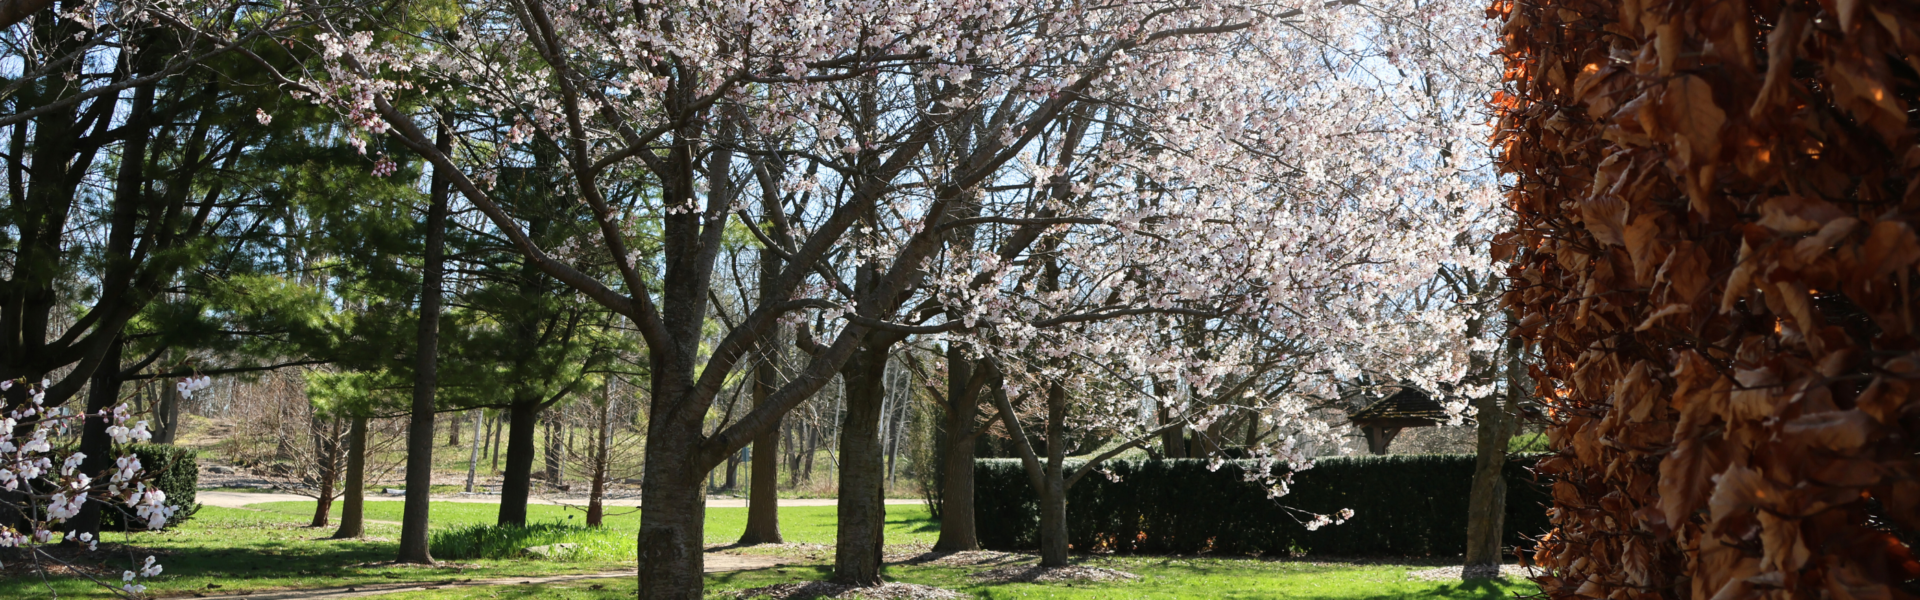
(715, 563)
(242, 499)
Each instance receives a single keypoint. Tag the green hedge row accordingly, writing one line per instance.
(174, 470)
(1404, 505)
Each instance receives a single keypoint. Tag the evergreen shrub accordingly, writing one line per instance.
(175, 470)
(1404, 505)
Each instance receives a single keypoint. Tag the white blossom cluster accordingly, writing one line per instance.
(51, 496)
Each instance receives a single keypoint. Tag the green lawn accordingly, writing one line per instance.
(240, 550)
(906, 523)
(1161, 578)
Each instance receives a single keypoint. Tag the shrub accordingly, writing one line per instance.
(1404, 506)
(175, 470)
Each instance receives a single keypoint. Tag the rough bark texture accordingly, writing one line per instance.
(414, 515)
(862, 508)
(1713, 259)
(516, 482)
(352, 514)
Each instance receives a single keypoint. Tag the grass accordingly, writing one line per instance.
(1161, 578)
(906, 523)
(256, 550)
(227, 550)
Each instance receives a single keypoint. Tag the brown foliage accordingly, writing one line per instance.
(1716, 208)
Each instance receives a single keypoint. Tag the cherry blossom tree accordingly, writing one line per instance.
(1210, 149)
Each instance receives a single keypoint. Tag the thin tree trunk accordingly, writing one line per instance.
(453, 433)
(473, 456)
(326, 450)
(497, 426)
(596, 511)
(553, 449)
(352, 523)
(517, 482)
(862, 510)
(413, 521)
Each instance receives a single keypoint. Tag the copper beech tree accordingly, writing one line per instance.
(1715, 259)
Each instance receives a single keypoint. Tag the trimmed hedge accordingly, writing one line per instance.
(1404, 505)
(174, 470)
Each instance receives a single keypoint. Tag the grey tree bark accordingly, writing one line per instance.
(415, 513)
(473, 455)
(862, 507)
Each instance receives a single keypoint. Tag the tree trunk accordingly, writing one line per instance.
(733, 473)
(413, 520)
(352, 524)
(102, 394)
(552, 454)
(862, 511)
(473, 455)
(1487, 502)
(957, 528)
(672, 526)
(326, 451)
(1053, 503)
(166, 414)
(495, 440)
(763, 497)
(596, 511)
(517, 481)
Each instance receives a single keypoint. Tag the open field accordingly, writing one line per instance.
(264, 547)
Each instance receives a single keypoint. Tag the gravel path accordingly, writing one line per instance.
(715, 563)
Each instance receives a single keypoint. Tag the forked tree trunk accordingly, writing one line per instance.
(352, 522)
(862, 509)
(414, 516)
(516, 482)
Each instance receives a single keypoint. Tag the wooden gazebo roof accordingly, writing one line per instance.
(1407, 407)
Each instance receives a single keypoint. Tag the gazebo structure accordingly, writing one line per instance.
(1383, 420)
